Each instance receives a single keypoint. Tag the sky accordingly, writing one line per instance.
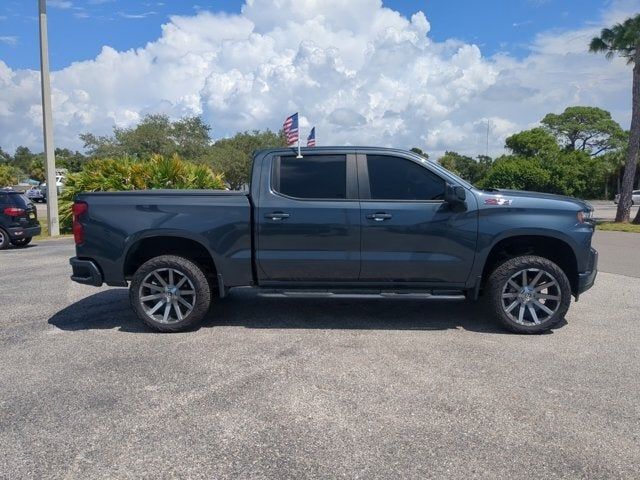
(404, 73)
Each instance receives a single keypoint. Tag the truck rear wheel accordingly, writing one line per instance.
(529, 294)
(170, 293)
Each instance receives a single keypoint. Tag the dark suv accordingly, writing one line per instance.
(18, 219)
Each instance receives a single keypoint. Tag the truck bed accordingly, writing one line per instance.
(117, 224)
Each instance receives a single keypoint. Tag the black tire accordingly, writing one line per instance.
(21, 242)
(4, 239)
(182, 268)
(532, 304)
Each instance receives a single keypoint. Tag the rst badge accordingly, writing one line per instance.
(498, 201)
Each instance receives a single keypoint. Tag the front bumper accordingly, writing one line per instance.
(85, 272)
(587, 279)
(17, 233)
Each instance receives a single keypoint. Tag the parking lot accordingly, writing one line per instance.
(294, 388)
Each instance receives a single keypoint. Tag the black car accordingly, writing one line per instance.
(18, 219)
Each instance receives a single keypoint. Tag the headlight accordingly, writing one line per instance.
(585, 216)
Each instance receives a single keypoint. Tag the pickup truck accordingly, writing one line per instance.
(339, 222)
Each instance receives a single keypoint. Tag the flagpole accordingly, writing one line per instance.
(299, 135)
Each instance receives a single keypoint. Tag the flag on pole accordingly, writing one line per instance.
(311, 139)
(291, 131)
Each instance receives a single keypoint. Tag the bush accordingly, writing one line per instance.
(125, 174)
(517, 173)
(8, 176)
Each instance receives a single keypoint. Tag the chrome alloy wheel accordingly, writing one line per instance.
(531, 297)
(167, 295)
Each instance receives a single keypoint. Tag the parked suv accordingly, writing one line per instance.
(18, 219)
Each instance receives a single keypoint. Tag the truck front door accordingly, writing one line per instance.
(308, 219)
(409, 233)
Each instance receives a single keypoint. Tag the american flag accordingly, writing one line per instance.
(291, 129)
(311, 139)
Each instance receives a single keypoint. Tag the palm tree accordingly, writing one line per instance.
(623, 39)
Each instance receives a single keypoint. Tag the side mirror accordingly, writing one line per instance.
(455, 195)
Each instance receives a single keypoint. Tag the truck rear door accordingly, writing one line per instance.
(308, 219)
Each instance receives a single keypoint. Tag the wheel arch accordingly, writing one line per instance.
(558, 250)
(154, 244)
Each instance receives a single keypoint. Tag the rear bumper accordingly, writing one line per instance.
(85, 272)
(587, 279)
(17, 233)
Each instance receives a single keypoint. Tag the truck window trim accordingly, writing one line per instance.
(351, 186)
(365, 185)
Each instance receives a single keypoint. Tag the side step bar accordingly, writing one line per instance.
(409, 295)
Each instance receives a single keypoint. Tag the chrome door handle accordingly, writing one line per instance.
(379, 217)
(277, 216)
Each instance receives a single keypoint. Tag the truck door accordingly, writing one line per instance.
(409, 234)
(308, 219)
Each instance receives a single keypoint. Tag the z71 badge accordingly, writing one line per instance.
(497, 201)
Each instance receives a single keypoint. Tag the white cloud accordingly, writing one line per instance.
(9, 39)
(136, 16)
(361, 73)
(61, 4)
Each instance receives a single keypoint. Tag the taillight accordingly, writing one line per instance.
(78, 209)
(14, 211)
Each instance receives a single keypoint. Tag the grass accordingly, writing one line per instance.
(618, 227)
(44, 235)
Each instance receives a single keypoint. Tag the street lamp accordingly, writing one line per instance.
(47, 122)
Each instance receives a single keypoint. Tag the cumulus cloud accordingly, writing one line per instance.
(362, 73)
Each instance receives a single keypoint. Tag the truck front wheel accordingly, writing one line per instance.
(529, 294)
(170, 293)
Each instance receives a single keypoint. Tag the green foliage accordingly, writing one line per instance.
(589, 129)
(517, 173)
(420, 152)
(72, 161)
(232, 156)
(466, 167)
(532, 143)
(154, 135)
(129, 174)
(9, 175)
(622, 39)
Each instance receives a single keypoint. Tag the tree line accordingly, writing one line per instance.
(579, 152)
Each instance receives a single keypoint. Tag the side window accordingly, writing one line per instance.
(394, 178)
(313, 177)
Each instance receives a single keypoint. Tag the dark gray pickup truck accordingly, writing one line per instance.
(339, 222)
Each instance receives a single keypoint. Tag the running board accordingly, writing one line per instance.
(409, 295)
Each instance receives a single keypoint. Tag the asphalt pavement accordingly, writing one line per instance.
(314, 388)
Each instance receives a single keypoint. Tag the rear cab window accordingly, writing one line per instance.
(314, 177)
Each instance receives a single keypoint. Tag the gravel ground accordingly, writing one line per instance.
(293, 388)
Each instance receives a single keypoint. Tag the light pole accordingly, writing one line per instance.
(47, 122)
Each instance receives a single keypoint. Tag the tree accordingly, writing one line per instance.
(5, 157)
(466, 167)
(154, 135)
(589, 129)
(22, 158)
(8, 175)
(72, 161)
(518, 173)
(623, 39)
(532, 143)
(232, 156)
(420, 152)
